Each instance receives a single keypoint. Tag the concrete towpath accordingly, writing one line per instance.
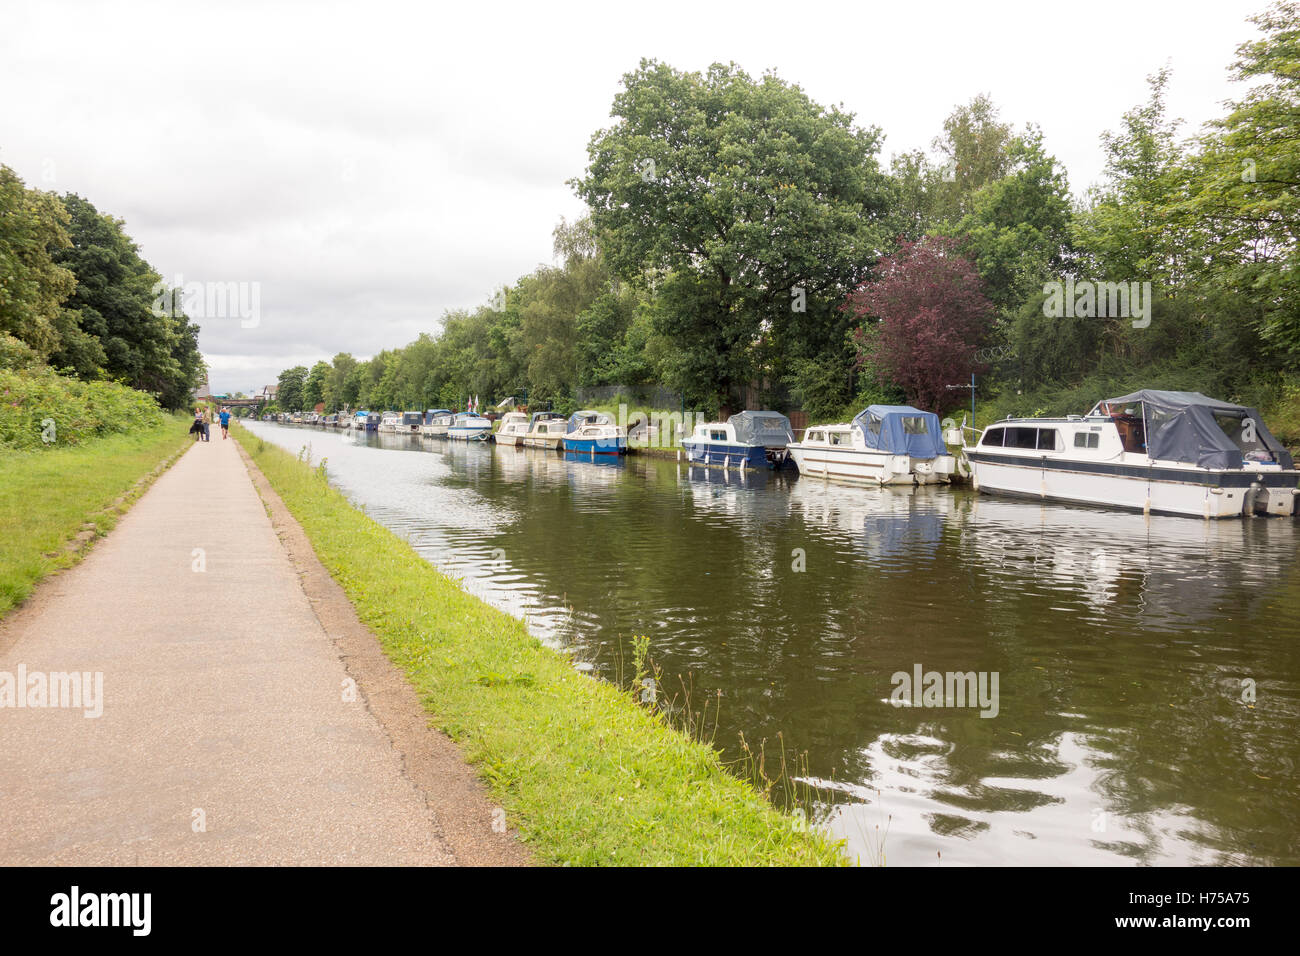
(230, 731)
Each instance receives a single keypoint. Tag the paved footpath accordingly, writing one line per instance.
(225, 736)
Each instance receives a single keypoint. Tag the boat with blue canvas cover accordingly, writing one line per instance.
(365, 421)
(884, 444)
(1165, 452)
(469, 426)
(410, 423)
(594, 433)
(748, 439)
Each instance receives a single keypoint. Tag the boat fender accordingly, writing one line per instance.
(963, 467)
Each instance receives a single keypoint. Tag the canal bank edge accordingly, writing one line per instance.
(587, 775)
(430, 760)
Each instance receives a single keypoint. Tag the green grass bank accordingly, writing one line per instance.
(586, 774)
(55, 499)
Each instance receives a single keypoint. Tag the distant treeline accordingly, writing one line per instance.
(76, 297)
(745, 241)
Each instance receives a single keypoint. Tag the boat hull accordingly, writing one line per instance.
(597, 446)
(543, 441)
(727, 454)
(1191, 492)
(477, 433)
(866, 466)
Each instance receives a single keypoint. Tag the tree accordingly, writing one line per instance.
(922, 320)
(1246, 181)
(313, 389)
(292, 382)
(754, 209)
(33, 283)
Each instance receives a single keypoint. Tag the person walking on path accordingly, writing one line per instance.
(225, 424)
(207, 424)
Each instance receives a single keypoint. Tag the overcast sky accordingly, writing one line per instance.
(372, 165)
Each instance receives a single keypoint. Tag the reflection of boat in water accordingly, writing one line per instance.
(886, 522)
(747, 439)
(884, 444)
(1165, 452)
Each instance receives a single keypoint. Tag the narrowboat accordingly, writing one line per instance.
(514, 426)
(884, 444)
(594, 433)
(546, 430)
(469, 426)
(1163, 452)
(748, 439)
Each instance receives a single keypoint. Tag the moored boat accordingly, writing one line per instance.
(514, 426)
(1166, 452)
(884, 444)
(469, 426)
(436, 422)
(748, 439)
(389, 421)
(546, 430)
(410, 423)
(594, 433)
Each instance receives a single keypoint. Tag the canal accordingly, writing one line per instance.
(1147, 670)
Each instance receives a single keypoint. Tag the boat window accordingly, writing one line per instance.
(814, 436)
(1086, 439)
(915, 425)
(717, 435)
(1047, 439)
(836, 438)
(993, 438)
(1021, 438)
(874, 425)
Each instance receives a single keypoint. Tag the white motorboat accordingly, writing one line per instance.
(514, 426)
(436, 422)
(1179, 453)
(546, 430)
(389, 422)
(469, 426)
(884, 444)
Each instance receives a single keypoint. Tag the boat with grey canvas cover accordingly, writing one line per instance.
(1179, 453)
(748, 439)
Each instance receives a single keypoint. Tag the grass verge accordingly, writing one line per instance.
(587, 775)
(55, 501)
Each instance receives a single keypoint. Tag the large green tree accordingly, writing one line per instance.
(751, 208)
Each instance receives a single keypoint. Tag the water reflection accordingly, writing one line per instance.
(1121, 641)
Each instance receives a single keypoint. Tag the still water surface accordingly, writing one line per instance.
(1124, 645)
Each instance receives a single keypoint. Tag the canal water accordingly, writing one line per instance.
(1147, 706)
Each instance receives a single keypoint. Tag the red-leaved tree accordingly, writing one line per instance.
(922, 320)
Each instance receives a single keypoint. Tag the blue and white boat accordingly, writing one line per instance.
(410, 423)
(594, 433)
(884, 444)
(469, 426)
(364, 421)
(748, 439)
